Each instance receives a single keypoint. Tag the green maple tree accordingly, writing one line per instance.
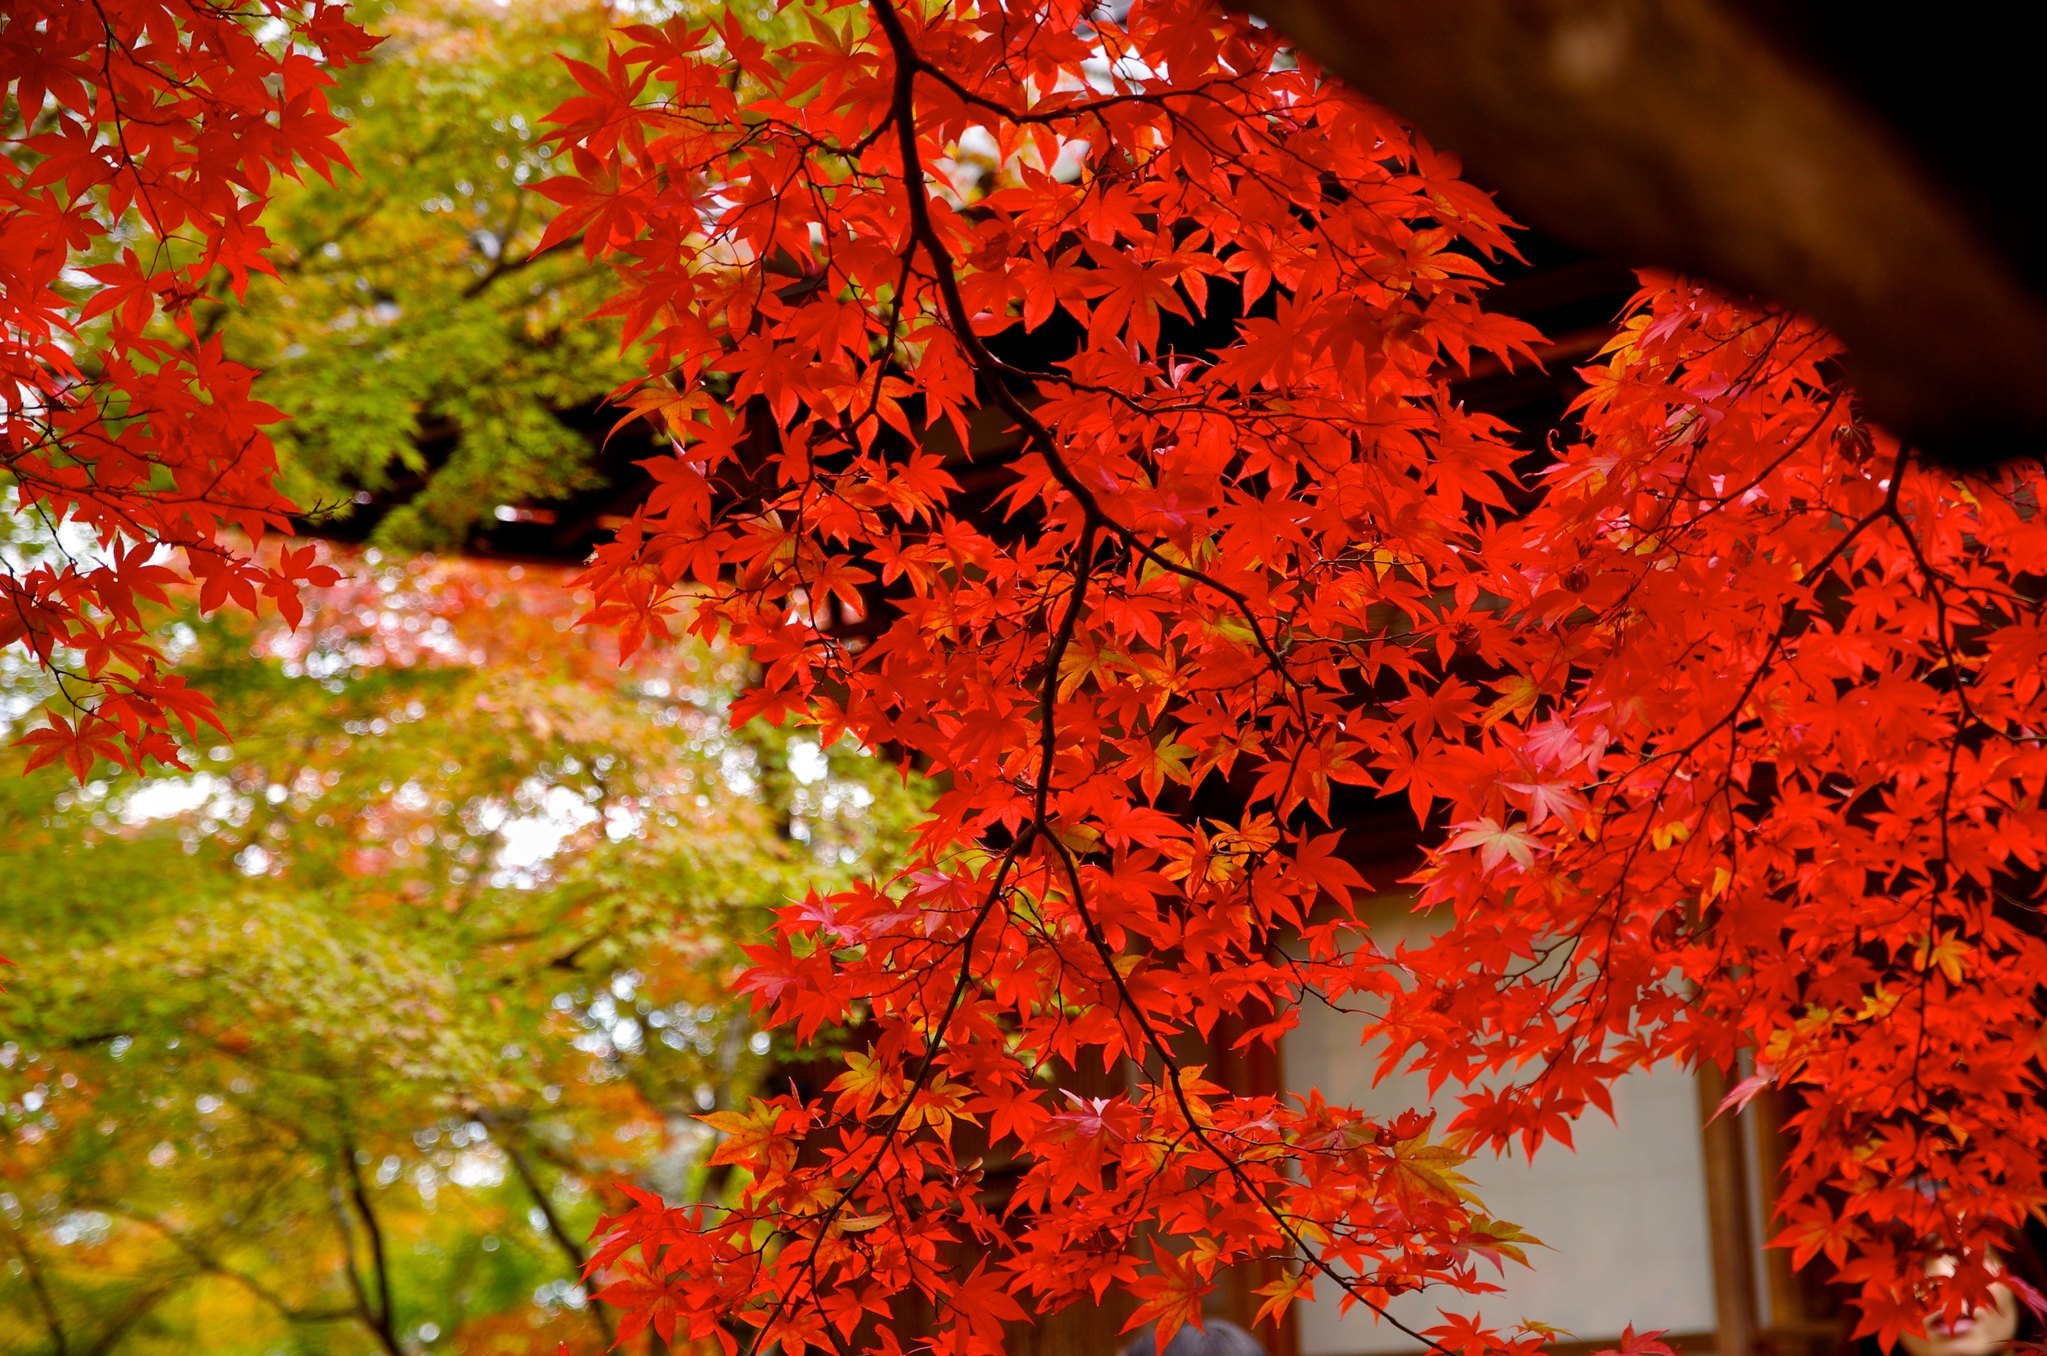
(338, 1040)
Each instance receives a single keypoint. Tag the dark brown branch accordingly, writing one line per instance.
(578, 1261)
(376, 1315)
(60, 1342)
(137, 1309)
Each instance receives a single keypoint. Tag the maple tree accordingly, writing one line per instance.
(445, 930)
(1727, 713)
(1722, 715)
(423, 349)
(141, 140)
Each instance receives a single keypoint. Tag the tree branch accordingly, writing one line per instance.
(578, 1260)
(377, 1316)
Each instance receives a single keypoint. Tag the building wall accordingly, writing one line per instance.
(1624, 1216)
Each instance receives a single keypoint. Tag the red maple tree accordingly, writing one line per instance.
(1724, 714)
(1727, 711)
(140, 138)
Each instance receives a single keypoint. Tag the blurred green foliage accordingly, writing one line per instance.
(414, 338)
(438, 947)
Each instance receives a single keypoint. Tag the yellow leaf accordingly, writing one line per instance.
(860, 1224)
(1518, 695)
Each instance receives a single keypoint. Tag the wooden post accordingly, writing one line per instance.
(1727, 1220)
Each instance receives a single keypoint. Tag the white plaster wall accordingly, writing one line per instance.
(1624, 1217)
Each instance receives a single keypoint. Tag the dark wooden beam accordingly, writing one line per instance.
(1849, 162)
(1733, 1242)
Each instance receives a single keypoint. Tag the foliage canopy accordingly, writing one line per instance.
(340, 1040)
(1063, 402)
